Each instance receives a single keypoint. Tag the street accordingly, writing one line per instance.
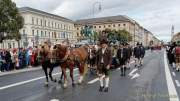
(151, 82)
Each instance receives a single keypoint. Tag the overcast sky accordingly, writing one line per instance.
(157, 16)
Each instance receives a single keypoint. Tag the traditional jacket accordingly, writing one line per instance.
(104, 58)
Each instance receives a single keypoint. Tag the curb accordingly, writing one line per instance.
(20, 71)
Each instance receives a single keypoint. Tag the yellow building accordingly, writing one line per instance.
(119, 22)
(176, 37)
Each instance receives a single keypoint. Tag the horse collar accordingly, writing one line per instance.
(66, 56)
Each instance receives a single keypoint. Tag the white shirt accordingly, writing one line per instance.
(103, 51)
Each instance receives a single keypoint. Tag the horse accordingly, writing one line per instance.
(92, 60)
(46, 55)
(70, 58)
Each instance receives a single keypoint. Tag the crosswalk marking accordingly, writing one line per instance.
(94, 80)
(174, 74)
(177, 83)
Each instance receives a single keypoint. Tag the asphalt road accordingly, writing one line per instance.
(154, 81)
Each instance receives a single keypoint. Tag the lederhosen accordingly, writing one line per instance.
(102, 69)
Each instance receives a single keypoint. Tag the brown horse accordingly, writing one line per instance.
(46, 55)
(69, 58)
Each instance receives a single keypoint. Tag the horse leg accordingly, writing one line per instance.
(81, 70)
(46, 74)
(65, 77)
(60, 81)
(50, 72)
(71, 75)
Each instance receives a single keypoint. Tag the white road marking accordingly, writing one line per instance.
(174, 74)
(54, 100)
(134, 70)
(173, 96)
(135, 76)
(28, 81)
(94, 80)
(177, 83)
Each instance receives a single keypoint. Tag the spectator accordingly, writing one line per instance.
(8, 60)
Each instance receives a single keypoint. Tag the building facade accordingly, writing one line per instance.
(176, 37)
(41, 26)
(114, 23)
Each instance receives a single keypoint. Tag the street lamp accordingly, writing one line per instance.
(94, 4)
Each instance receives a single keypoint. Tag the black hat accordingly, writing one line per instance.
(138, 43)
(103, 41)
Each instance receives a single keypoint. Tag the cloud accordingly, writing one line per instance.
(155, 15)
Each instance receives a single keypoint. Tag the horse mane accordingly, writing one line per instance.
(61, 50)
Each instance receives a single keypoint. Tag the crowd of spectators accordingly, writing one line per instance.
(14, 59)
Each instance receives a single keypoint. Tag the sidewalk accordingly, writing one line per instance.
(20, 71)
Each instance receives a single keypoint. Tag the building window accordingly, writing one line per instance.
(24, 31)
(52, 35)
(9, 45)
(104, 26)
(55, 25)
(52, 24)
(13, 45)
(119, 24)
(32, 32)
(77, 34)
(124, 24)
(63, 35)
(37, 21)
(37, 33)
(64, 27)
(109, 25)
(114, 25)
(33, 20)
(94, 26)
(77, 28)
(49, 34)
(48, 24)
(41, 22)
(45, 22)
(58, 25)
(99, 26)
(45, 34)
(55, 35)
(42, 34)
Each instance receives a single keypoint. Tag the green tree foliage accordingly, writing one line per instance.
(10, 20)
(120, 35)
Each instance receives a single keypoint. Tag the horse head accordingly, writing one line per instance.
(61, 50)
(44, 49)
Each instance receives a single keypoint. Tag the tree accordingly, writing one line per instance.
(120, 35)
(10, 20)
(124, 36)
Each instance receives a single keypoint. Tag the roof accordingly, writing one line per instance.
(28, 9)
(109, 19)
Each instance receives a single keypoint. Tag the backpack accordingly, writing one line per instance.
(177, 51)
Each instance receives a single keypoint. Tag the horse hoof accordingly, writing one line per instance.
(60, 81)
(73, 85)
(46, 84)
(55, 80)
(65, 86)
(79, 83)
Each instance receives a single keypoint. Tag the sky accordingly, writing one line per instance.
(157, 16)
